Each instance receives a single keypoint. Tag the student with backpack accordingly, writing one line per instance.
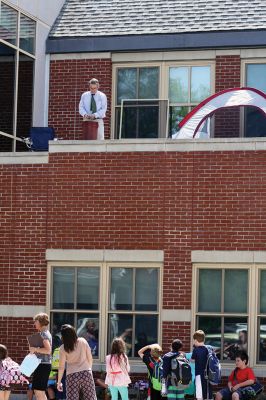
(207, 367)
(151, 356)
(176, 372)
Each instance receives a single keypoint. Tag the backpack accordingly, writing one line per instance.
(181, 374)
(212, 372)
(156, 374)
(10, 373)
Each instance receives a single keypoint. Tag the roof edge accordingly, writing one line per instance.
(177, 41)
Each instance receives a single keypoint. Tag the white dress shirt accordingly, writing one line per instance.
(85, 104)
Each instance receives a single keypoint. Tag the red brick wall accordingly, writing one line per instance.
(68, 80)
(227, 76)
(176, 202)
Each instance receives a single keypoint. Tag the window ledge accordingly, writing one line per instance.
(24, 158)
(157, 145)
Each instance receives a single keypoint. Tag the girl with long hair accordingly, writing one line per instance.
(117, 369)
(75, 353)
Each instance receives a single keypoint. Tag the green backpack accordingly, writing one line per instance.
(157, 375)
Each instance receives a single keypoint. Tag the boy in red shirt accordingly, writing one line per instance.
(241, 377)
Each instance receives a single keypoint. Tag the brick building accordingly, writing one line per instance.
(142, 236)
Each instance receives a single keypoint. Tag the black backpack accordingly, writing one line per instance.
(181, 374)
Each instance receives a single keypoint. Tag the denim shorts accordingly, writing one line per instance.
(227, 394)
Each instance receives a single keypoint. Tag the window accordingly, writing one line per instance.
(230, 307)
(140, 118)
(188, 86)
(17, 47)
(127, 306)
(151, 108)
(255, 120)
(133, 307)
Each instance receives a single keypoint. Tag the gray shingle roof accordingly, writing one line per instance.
(134, 17)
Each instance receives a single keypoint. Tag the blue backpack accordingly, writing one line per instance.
(212, 371)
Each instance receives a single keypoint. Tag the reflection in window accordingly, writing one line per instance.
(134, 290)
(188, 86)
(25, 98)
(27, 34)
(7, 90)
(88, 288)
(121, 292)
(210, 288)
(140, 119)
(63, 288)
(88, 328)
(262, 339)
(221, 293)
(255, 120)
(16, 84)
(8, 23)
(75, 289)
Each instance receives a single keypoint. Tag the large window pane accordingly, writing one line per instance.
(148, 83)
(235, 336)
(63, 288)
(27, 34)
(210, 289)
(235, 291)
(146, 289)
(126, 84)
(57, 320)
(212, 328)
(256, 76)
(88, 288)
(8, 23)
(121, 325)
(146, 331)
(262, 292)
(200, 83)
(262, 339)
(178, 84)
(255, 122)
(176, 115)
(25, 98)
(121, 289)
(7, 88)
(88, 328)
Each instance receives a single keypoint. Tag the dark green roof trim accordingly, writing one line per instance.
(185, 41)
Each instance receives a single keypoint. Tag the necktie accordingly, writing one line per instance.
(93, 104)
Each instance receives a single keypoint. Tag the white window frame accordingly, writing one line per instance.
(163, 78)
(252, 309)
(105, 282)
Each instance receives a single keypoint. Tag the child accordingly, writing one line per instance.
(173, 391)
(117, 369)
(199, 356)
(240, 378)
(151, 356)
(9, 374)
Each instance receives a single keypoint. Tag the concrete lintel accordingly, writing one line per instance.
(80, 56)
(176, 315)
(201, 256)
(228, 52)
(19, 311)
(163, 56)
(105, 255)
(24, 158)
